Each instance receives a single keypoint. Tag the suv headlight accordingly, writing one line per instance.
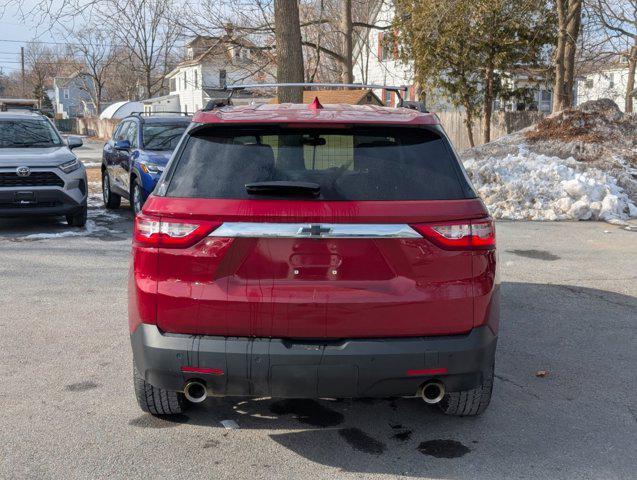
(70, 166)
(151, 168)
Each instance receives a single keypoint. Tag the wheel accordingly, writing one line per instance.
(156, 401)
(469, 402)
(137, 197)
(78, 219)
(111, 200)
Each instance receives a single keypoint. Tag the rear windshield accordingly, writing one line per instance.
(162, 136)
(346, 164)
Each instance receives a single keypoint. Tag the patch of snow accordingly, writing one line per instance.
(91, 228)
(534, 186)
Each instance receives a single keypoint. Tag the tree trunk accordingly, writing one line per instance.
(488, 102)
(558, 60)
(630, 81)
(469, 124)
(572, 31)
(347, 71)
(289, 53)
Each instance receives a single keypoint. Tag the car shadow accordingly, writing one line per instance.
(544, 419)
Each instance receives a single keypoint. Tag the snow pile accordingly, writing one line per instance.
(532, 186)
(578, 164)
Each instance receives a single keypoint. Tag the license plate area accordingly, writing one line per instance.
(25, 198)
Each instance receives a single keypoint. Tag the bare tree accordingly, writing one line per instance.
(145, 30)
(97, 58)
(147, 34)
(569, 17)
(618, 20)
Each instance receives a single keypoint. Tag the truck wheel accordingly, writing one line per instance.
(156, 401)
(111, 200)
(469, 402)
(78, 219)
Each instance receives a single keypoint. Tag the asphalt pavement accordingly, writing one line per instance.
(569, 309)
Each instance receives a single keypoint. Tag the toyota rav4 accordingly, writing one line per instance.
(314, 251)
(39, 175)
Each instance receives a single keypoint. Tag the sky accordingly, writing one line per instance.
(14, 33)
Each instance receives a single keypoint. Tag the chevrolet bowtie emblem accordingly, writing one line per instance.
(314, 231)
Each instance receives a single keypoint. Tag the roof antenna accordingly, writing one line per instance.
(315, 105)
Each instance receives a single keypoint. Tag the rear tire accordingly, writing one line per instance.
(469, 403)
(78, 219)
(154, 400)
(111, 200)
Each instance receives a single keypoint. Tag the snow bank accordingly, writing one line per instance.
(532, 186)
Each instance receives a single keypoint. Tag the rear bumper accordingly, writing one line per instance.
(341, 369)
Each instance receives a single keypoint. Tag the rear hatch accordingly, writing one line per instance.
(315, 233)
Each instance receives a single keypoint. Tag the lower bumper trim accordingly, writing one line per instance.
(284, 368)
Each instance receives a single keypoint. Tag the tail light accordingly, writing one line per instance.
(462, 235)
(170, 233)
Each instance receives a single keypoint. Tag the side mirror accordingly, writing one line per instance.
(74, 142)
(122, 145)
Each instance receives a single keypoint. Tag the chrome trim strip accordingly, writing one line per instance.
(314, 230)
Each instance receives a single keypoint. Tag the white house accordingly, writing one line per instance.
(211, 64)
(376, 61)
(609, 82)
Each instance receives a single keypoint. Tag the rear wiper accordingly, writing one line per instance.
(283, 188)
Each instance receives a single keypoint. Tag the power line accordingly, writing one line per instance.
(47, 42)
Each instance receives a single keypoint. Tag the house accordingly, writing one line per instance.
(534, 87)
(212, 63)
(609, 81)
(376, 61)
(351, 97)
(71, 98)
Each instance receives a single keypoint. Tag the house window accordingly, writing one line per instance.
(387, 47)
(196, 78)
(173, 85)
(589, 83)
(185, 81)
(66, 94)
(611, 80)
(222, 78)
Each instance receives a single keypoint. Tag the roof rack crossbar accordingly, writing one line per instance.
(392, 88)
(150, 114)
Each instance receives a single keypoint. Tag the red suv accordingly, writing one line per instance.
(318, 252)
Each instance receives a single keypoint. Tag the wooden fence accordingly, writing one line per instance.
(502, 123)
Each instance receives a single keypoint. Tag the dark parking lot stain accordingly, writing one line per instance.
(360, 441)
(443, 448)
(535, 254)
(307, 411)
(402, 436)
(81, 386)
(211, 443)
(159, 421)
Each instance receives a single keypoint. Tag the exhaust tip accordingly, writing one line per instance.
(432, 392)
(195, 391)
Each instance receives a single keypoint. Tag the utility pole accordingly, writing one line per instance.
(24, 92)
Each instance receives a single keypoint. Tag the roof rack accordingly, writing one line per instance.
(150, 114)
(391, 88)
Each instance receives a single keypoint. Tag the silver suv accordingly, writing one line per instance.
(39, 175)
